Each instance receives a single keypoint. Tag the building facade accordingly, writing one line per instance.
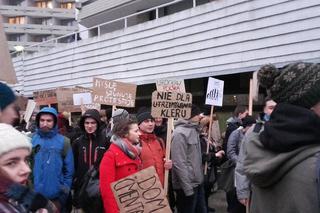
(31, 22)
(181, 40)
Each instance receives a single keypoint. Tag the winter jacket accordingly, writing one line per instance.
(88, 150)
(153, 153)
(234, 142)
(233, 123)
(53, 162)
(114, 166)
(187, 170)
(285, 175)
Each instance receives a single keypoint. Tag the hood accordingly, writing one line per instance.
(91, 113)
(284, 145)
(297, 125)
(47, 110)
(234, 120)
(187, 126)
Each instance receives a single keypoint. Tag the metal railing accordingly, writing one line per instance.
(75, 34)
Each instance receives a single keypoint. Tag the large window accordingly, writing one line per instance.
(68, 5)
(44, 4)
(16, 20)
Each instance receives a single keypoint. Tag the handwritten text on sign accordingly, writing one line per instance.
(214, 94)
(171, 105)
(45, 97)
(113, 93)
(170, 85)
(141, 192)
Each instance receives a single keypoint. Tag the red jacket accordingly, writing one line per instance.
(114, 166)
(152, 153)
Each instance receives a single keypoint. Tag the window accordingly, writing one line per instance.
(44, 4)
(68, 5)
(15, 37)
(16, 20)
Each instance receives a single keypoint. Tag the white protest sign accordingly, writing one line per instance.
(82, 98)
(30, 108)
(141, 192)
(170, 85)
(214, 94)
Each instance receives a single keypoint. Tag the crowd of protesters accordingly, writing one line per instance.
(272, 160)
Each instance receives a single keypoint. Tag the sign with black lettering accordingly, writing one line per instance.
(141, 192)
(45, 97)
(171, 104)
(113, 93)
(214, 94)
(170, 85)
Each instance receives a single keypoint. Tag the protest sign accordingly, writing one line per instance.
(170, 85)
(45, 97)
(141, 192)
(171, 104)
(114, 93)
(82, 98)
(7, 72)
(92, 106)
(29, 110)
(214, 94)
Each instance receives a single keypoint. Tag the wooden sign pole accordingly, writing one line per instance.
(250, 97)
(209, 137)
(114, 108)
(168, 150)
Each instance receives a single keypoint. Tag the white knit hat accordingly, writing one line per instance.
(11, 139)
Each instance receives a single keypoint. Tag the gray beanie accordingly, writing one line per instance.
(296, 83)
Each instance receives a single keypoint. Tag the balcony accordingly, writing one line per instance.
(37, 29)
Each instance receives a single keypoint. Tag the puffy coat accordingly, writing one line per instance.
(114, 166)
(153, 153)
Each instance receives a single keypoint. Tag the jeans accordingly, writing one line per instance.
(192, 204)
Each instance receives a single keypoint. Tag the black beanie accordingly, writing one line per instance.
(144, 114)
(195, 110)
(248, 121)
(6, 96)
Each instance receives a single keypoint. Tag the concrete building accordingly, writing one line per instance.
(187, 39)
(31, 22)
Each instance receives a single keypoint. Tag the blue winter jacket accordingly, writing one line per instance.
(53, 161)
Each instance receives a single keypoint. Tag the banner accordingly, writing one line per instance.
(169, 85)
(214, 94)
(113, 93)
(7, 72)
(141, 192)
(171, 105)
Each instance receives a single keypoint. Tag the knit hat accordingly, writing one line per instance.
(296, 83)
(248, 121)
(6, 96)
(143, 114)
(11, 139)
(120, 115)
(195, 110)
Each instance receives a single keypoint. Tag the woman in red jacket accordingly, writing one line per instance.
(121, 160)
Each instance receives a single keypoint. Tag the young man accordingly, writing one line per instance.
(187, 171)
(282, 160)
(53, 159)
(88, 151)
(153, 147)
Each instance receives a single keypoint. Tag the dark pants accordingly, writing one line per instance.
(234, 206)
(192, 204)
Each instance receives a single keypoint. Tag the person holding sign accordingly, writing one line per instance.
(187, 171)
(153, 147)
(121, 160)
(7, 98)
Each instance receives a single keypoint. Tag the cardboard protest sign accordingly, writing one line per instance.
(45, 97)
(113, 93)
(92, 106)
(7, 72)
(82, 98)
(141, 192)
(171, 104)
(214, 94)
(170, 85)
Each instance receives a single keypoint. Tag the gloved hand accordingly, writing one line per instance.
(31, 200)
